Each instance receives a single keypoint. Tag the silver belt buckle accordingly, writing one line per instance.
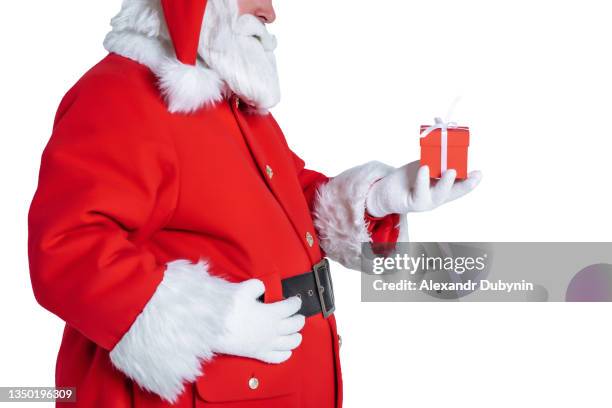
(322, 274)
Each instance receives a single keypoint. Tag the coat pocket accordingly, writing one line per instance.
(235, 382)
(287, 401)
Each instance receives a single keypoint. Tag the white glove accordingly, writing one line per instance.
(408, 189)
(265, 332)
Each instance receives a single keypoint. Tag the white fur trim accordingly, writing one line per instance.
(140, 34)
(141, 16)
(148, 51)
(339, 213)
(170, 339)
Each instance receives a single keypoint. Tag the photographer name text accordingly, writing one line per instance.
(430, 285)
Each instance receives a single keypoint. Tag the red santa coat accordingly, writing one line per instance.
(126, 187)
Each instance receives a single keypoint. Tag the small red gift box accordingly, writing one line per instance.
(441, 156)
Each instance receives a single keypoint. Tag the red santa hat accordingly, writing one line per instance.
(186, 83)
(184, 20)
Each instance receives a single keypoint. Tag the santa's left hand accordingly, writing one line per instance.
(409, 189)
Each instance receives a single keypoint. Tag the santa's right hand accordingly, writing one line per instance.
(263, 331)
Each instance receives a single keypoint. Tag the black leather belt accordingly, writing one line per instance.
(315, 288)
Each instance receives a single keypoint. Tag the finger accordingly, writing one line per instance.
(274, 357)
(291, 325)
(443, 187)
(421, 185)
(253, 288)
(463, 187)
(286, 308)
(411, 169)
(288, 343)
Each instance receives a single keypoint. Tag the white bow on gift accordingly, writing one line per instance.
(443, 125)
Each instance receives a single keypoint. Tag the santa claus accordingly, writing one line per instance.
(181, 239)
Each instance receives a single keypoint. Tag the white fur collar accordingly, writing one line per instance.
(185, 88)
(139, 32)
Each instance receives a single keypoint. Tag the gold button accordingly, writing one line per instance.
(237, 102)
(269, 172)
(339, 341)
(253, 383)
(309, 239)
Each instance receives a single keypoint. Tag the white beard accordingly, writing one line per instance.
(241, 51)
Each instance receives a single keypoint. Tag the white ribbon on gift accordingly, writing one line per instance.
(443, 126)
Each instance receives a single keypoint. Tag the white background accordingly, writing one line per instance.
(359, 77)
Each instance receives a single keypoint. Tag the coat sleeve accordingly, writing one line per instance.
(108, 180)
(340, 216)
(105, 181)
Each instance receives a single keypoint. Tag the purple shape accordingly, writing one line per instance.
(591, 284)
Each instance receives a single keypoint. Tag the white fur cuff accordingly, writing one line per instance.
(170, 339)
(340, 210)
